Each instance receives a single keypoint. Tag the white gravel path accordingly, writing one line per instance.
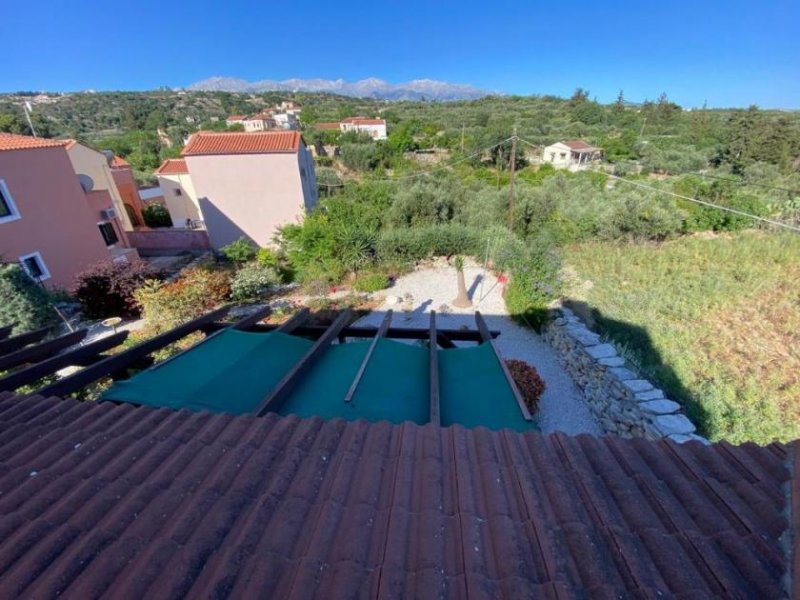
(561, 407)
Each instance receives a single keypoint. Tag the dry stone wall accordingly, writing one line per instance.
(621, 400)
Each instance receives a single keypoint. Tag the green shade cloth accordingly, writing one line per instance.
(231, 371)
(474, 391)
(394, 386)
(234, 371)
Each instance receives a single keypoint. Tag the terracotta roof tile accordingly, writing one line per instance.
(363, 121)
(12, 141)
(99, 499)
(262, 142)
(578, 145)
(327, 126)
(172, 166)
(119, 163)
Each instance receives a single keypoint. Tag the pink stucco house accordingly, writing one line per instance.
(249, 184)
(47, 222)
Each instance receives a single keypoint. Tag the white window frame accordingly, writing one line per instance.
(38, 256)
(114, 245)
(9, 201)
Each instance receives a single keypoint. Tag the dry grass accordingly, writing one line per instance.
(715, 320)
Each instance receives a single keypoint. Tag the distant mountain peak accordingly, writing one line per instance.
(372, 87)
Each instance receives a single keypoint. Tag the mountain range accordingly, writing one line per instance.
(418, 89)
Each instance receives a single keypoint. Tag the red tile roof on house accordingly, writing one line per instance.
(236, 118)
(172, 166)
(579, 145)
(363, 121)
(326, 126)
(12, 141)
(262, 142)
(99, 499)
(119, 163)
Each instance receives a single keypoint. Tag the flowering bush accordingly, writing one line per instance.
(253, 280)
(529, 382)
(106, 289)
(166, 305)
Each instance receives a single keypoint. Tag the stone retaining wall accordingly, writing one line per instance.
(623, 402)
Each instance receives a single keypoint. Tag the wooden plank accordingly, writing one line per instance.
(297, 319)
(41, 351)
(114, 364)
(289, 381)
(487, 339)
(20, 341)
(435, 414)
(381, 332)
(79, 356)
(257, 316)
(444, 340)
(397, 333)
(6, 331)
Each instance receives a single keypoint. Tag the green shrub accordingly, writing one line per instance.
(23, 301)
(167, 305)
(240, 251)
(276, 260)
(371, 282)
(535, 278)
(107, 289)
(419, 243)
(155, 215)
(253, 280)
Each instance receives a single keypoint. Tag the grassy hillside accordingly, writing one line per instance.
(714, 320)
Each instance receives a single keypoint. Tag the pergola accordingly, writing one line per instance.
(297, 367)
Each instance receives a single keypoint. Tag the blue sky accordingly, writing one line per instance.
(730, 53)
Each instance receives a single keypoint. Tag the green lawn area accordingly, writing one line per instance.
(713, 320)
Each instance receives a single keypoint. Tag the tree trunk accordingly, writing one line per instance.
(462, 300)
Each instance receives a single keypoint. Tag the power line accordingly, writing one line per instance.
(704, 203)
(689, 199)
(743, 182)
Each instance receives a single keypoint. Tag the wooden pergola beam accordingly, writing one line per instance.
(79, 356)
(292, 324)
(397, 333)
(256, 317)
(289, 381)
(5, 331)
(20, 341)
(381, 332)
(433, 361)
(487, 339)
(41, 351)
(115, 364)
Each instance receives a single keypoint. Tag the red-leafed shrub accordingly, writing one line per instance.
(106, 288)
(529, 382)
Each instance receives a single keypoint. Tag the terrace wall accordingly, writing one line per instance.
(162, 240)
(621, 400)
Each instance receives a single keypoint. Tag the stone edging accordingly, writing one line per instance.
(621, 400)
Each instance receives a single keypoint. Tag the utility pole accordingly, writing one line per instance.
(511, 186)
(641, 131)
(462, 138)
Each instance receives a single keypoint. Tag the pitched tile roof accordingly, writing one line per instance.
(12, 141)
(119, 163)
(262, 142)
(236, 118)
(99, 499)
(172, 166)
(363, 121)
(327, 126)
(579, 145)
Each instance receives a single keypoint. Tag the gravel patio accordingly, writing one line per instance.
(561, 408)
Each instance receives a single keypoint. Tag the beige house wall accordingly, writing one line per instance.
(90, 162)
(251, 195)
(184, 206)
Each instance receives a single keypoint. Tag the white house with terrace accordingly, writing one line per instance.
(375, 128)
(574, 155)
